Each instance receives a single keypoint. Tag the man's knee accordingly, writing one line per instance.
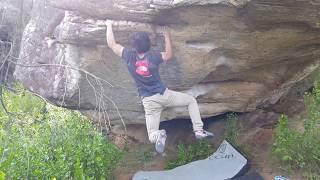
(152, 111)
(151, 107)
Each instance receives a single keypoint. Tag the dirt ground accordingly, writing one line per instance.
(255, 143)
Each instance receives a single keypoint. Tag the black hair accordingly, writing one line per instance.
(141, 42)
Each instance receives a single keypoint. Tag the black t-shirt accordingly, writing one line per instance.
(145, 71)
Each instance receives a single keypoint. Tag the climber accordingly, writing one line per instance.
(143, 65)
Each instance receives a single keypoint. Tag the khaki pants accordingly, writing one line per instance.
(153, 106)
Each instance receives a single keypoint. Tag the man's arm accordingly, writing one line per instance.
(167, 54)
(116, 48)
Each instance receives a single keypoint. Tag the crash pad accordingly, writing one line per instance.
(225, 163)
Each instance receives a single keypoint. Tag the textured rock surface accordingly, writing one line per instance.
(231, 55)
(14, 14)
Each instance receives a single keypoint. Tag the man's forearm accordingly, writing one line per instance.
(168, 45)
(167, 54)
(116, 48)
(110, 36)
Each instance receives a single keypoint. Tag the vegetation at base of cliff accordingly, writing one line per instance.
(189, 153)
(298, 150)
(232, 129)
(41, 141)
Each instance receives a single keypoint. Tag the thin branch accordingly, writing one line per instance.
(66, 66)
(2, 102)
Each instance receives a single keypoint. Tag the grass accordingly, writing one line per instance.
(232, 130)
(189, 153)
(137, 156)
(41, 141)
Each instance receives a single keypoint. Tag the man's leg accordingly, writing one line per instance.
(153, 110)
(182, 99)
(152, 114)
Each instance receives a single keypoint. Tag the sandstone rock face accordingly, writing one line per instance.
(14, 14)
(231, 55)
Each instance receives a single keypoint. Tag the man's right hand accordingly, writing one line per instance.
(164, 30)
(167, 54)
(108, 22)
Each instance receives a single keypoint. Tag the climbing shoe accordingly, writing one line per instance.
(161, 141)
(202, 134)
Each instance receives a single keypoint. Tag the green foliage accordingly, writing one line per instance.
(146, 156)
(137, 156)
(41, 141)
(188, 153)
(301, 150)
(232, 129)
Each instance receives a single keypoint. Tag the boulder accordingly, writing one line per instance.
(231, 55)
(14, 16)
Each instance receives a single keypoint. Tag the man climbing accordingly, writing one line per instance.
(143, 65)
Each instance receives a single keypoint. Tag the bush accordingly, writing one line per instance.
(189, 153)
(301, 150)
(41, 141)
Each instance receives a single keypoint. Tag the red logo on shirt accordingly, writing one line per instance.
(142, 68)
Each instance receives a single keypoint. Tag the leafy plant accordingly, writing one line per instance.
(41, 141)
(192, 152)
(301, 150)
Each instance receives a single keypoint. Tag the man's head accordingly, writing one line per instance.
(141, 42)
